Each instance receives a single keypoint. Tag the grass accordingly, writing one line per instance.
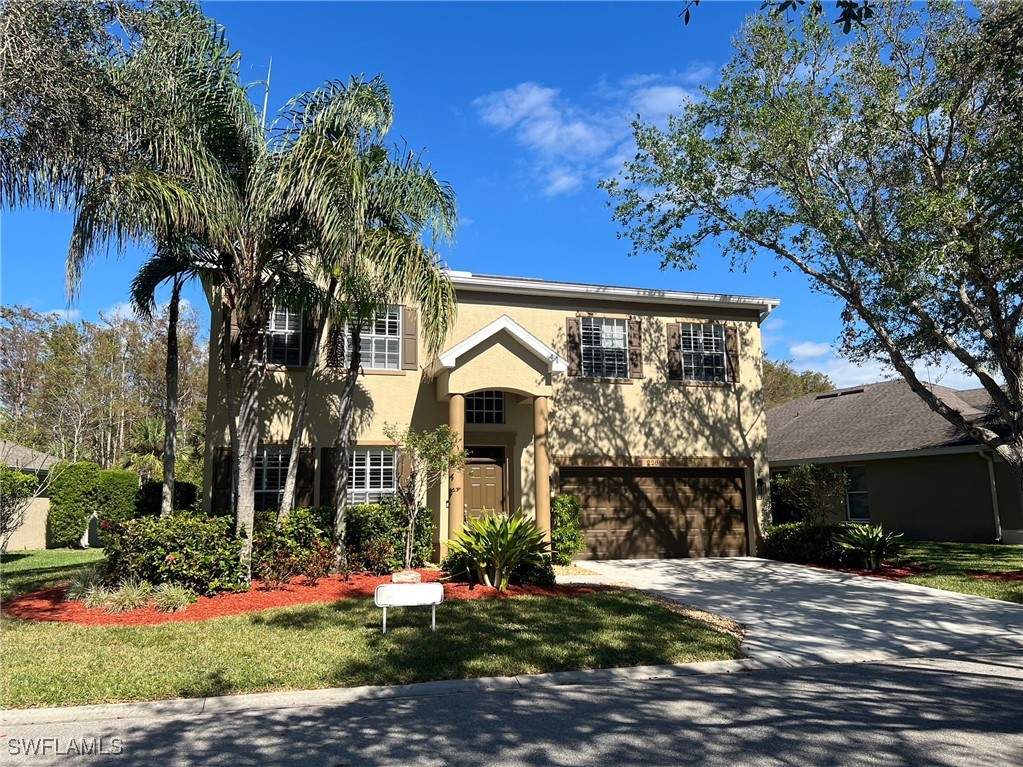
(340, 645)
(955, 564)
(22, 571)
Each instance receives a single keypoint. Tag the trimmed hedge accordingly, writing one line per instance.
(199, 552)
(804, 544)
(74, 496)
(375, 535)
(566, 531)
(149, 497)
(116, 491)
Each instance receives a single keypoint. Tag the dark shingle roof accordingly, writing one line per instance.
(863, 420)
(20, 457)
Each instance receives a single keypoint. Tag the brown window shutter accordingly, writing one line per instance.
(308, 335)
(732, 352)
(222, 480)
(409, 339)
(236, 339)
(306, 477)
(574, 346)
(336, 346)
(328, 475)
(635, 349)
(674, 352)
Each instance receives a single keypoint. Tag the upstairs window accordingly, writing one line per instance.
(704, 356)
(271, 472)
(857, 500)
(372, 475)
(484, 407)
(381, 340)
(604, 347)
(284, 337)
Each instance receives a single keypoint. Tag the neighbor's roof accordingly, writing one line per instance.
(20, 457)
(490, 283)
(867, 420)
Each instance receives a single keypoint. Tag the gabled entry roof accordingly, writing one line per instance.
(555, 362)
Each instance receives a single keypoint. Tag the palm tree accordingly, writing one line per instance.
(396, 201)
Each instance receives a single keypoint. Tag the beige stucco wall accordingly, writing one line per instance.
(32, 533)
(650, 417)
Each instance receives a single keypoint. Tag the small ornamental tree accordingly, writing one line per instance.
(425, 458)
(809, 492)
(17, 489)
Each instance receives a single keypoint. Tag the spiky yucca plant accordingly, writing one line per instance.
(498, 543)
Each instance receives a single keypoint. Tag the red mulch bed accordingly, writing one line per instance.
(1015, 575)
(888, 572)
(52, 605)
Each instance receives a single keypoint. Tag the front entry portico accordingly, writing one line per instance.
(502, 357)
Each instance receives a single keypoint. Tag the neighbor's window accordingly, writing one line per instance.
(372, 475)
(284, 337)
(271, 471)
(856, 500)
(703, 352)
(381, 340)
(484, 407)
(605, 347)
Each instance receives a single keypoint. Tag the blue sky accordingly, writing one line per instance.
(522, 107)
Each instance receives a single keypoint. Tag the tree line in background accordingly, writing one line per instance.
(96, 391)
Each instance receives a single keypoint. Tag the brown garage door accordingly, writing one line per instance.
(660, 513)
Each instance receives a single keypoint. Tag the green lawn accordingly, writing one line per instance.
(955, 564)
(30, 570)
(340, 645)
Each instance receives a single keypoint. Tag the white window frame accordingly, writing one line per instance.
(850, 492)
(375, 347)
(707, 344)
(271, 456)
(292, 338)
(606, 357)
(372, 474)
(483, 404)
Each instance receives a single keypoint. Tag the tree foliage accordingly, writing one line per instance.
(810, 493)
(783, 383)
(17, 489)
(883, 164)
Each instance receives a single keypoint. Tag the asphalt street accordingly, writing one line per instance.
(930, 711)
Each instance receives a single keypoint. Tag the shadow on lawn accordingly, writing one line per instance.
(905, 715)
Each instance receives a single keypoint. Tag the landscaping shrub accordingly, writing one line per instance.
(172, 598)
(201, 553)
(116, 492)
(16, 491)
(870, 543)
(297, 546)
(83, 582)
(130, 594)
(804, 544)
(534, 574)
(74, 496)
(372, 528)
(495, 545)
(566, 530)
(149, 498)
(810, 492)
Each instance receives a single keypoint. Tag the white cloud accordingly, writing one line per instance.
(573, 142)
(946, 373)
(120, 310)
(808, 350)
(65, 315)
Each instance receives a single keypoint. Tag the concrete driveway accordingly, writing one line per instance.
(798, 615)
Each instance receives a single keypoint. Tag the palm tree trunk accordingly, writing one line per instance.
(227, 354)
(248, 440)
(343, 444)
(171, 408)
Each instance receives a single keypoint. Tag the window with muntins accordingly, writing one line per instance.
(284, 337)
(372, 475)
(856, 494)
(604, 347)
(271, 472)
(381, 340)
(484, 407)
(704, 356)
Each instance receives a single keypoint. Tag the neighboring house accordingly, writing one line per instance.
(32, 533)
(909, 469)
(646, 403)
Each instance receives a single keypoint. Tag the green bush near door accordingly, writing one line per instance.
(74, 496)
(566, 530)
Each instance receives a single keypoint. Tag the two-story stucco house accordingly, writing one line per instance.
(645, 403)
